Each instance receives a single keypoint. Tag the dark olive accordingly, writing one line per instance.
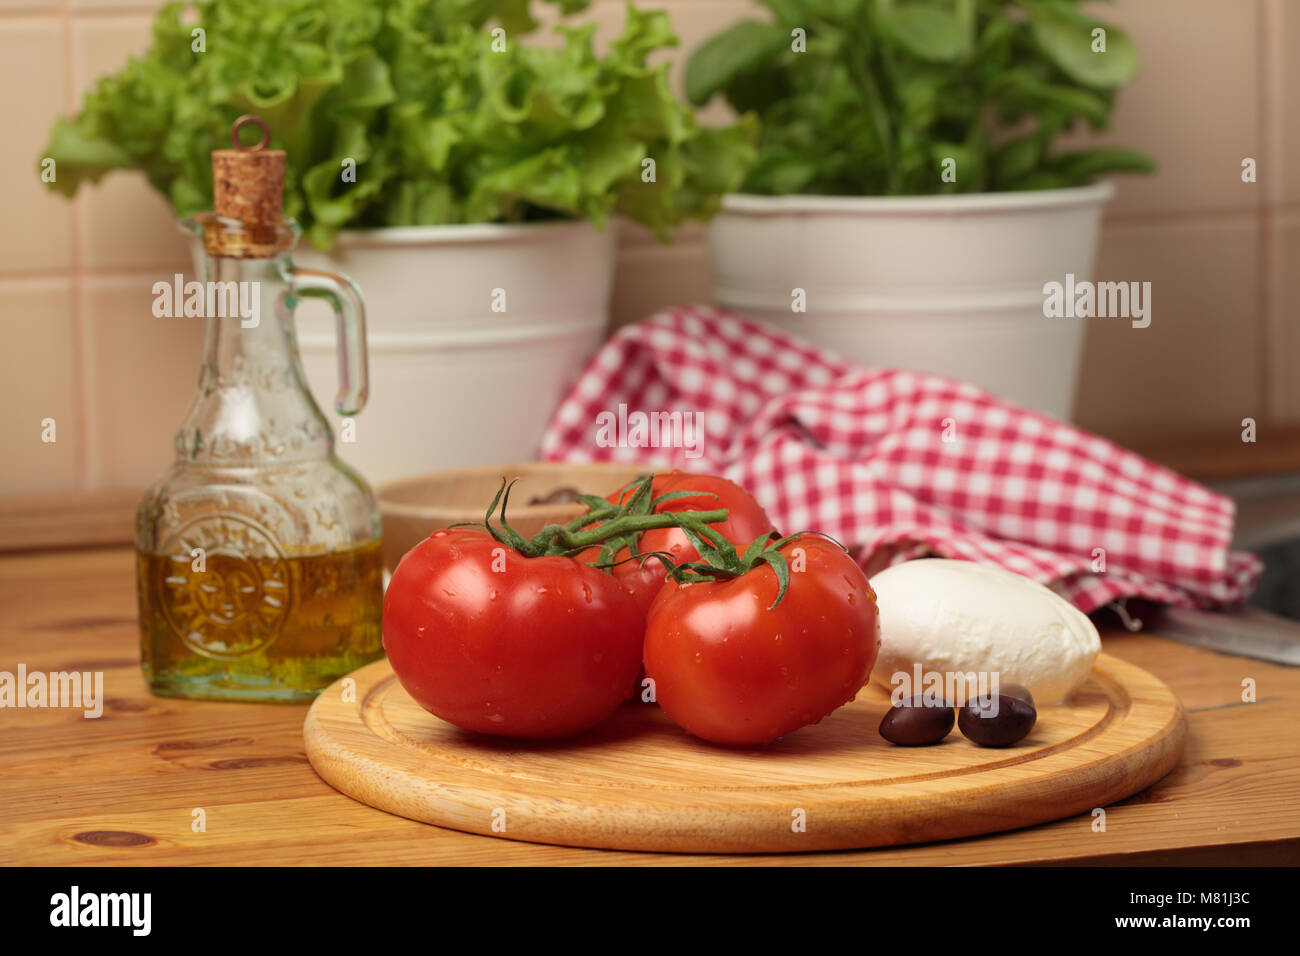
(911, 723)
(1009, 723)
(1018, 690)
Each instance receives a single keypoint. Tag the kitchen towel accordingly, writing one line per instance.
(898, 464)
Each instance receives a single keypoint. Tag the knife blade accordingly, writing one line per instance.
(1244, 631)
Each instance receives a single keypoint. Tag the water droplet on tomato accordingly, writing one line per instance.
(698, 658)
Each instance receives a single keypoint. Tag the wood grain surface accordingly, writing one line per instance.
(73, 519)
(637, 782)
(124, 789)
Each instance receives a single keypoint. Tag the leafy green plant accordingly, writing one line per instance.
(884, 92)
(442, 126)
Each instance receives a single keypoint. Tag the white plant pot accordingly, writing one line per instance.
(453, 382)
(944, 284)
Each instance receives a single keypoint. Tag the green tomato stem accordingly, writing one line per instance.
(615, 525)
(565, 540)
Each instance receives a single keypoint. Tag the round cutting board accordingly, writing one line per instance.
(637, 782)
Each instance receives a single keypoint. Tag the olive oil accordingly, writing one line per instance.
(227, 626)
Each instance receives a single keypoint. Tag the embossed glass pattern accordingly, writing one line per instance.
(259, 568)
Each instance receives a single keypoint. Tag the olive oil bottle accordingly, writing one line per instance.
(258, 556)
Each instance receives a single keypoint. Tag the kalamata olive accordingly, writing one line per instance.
(911, 723)
(1018, 690)
(1009, 723)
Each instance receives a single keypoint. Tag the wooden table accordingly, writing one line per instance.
(123, 789)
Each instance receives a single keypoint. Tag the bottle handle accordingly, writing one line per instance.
(345, 299)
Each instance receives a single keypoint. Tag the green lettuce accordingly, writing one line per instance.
(442, 125)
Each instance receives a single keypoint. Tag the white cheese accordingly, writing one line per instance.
(958, 617)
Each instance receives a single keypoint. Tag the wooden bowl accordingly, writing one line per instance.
(413, 508)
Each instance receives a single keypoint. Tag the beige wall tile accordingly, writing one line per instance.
(1199, 362)
(142, 375)
(1194, 105)
(106, 6)
(39, 236)
(1284, 95)
(651, 276)
(38, 367)
(1284, 318)
(127, 224)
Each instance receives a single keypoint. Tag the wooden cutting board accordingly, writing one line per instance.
(637, 782)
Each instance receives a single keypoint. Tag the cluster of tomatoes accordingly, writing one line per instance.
(676, 589)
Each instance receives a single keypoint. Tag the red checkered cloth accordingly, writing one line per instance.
(897, 464)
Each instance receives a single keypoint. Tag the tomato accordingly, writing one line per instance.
(731, 669)
(746, 520)
(496, 642)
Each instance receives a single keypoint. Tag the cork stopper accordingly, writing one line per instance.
(247, 186)
(248, 181)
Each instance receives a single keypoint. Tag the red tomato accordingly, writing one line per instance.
(746, 520)
(729, 670)
(493, 641)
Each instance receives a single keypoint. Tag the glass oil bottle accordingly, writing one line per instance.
(258, 553)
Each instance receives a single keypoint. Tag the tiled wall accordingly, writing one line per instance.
(1220, 81)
